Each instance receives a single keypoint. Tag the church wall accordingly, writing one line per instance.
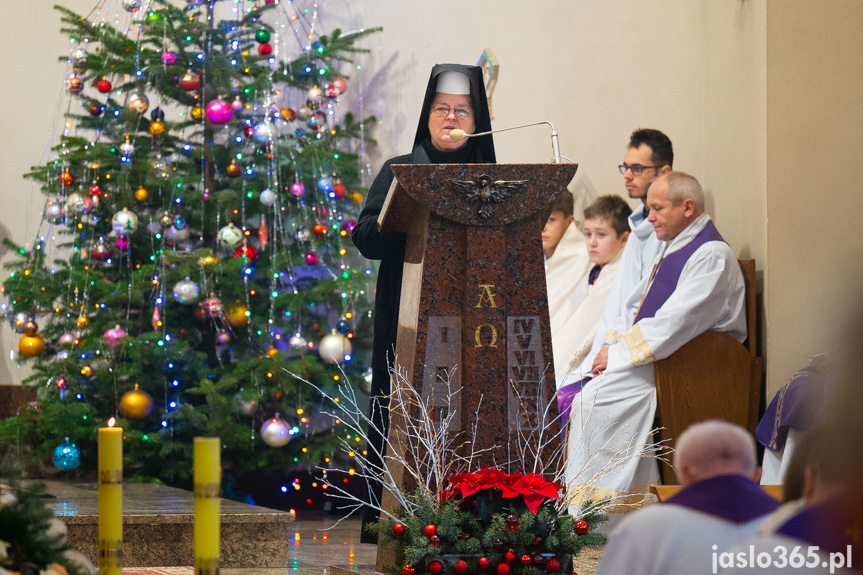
(814, 127)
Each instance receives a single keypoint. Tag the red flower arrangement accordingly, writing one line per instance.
(489, 518)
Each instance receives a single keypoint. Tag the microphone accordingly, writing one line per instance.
(459, 134)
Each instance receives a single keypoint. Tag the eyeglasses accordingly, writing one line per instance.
(444, 111)
(636, 169)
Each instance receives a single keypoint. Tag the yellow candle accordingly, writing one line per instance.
(208, 489)
(110, 500)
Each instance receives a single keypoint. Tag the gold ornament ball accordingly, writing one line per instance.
(87, 371)
(234, 169)
(208, 260)
(141, 194)
(357, 198)
(31, 345)
(30, 327)
(136, 404)
(83, 320)
(138, 103)
(196, 112)
(236, 316)
(157, 127)
(272, 351)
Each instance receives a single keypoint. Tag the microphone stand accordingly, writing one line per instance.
(555, 142)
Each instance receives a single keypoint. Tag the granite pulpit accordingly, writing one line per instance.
(474, 308)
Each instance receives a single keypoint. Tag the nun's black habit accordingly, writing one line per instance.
(390, 247)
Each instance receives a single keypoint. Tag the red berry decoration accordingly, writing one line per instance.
(435, 567)
(509, 557)
(538, 560)
(552, 565)
(429, 530)
(536, 540)
(399, 529)
(512, 521)
(464, 536)
(525, 559)
(460, 566)
(103, 86)
(503, 569)
(408, 570)
(498, 544)
(483, 563)
(581, 527)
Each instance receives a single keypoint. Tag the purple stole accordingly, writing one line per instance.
(734, 498)
(666, 278)
(828, 524)
(664, 284)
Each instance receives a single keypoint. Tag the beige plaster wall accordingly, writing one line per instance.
(814, 135)
(597, 70)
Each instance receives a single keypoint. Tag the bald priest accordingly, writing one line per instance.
(696, 285)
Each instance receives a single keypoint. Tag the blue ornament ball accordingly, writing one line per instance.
(325, 184)
(343, 327)
(67, 456)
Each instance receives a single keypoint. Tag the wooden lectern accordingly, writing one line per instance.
(474, 298)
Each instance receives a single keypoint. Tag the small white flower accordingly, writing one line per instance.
(8, 500)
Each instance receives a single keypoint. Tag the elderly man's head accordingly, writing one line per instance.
(674, 199)
(713, 447)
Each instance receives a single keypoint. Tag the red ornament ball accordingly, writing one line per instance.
(95, 190)
(460, 566)
(249, 253)
(61, 383)
(552, 565)
(265, 49)
(408, 570)
(498, 543)
(538, 560)
(435, 541)
(103, 85)
(509, 557)
(503, 569)
(581, 527)
(435, 567)
(340, 190)
(311, 259)
(525, 559)
(483, 563)
(399, 529)
(67, 178)
(319, 229)
(430, 530)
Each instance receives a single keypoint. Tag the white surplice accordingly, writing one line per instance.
(565, 277)
(573, 337)
(640, 251)
(665, 538)
(614, 412)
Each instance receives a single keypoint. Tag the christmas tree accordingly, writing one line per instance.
(194, 253)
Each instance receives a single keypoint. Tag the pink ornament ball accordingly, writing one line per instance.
(298, 189)
(311, 258)
(122, 243)
(341, 85)
(114, 336)
(169, 58)
(219, 112)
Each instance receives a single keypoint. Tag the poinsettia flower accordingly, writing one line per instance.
(534, 489)
(487, 478)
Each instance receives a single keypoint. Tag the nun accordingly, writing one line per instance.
(454, 99)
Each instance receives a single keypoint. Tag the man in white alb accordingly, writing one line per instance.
(695, 286)
(720, 505)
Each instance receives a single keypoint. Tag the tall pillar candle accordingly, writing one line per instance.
(208, 489)
(110, 500)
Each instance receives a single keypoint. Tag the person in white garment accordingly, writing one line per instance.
(812, 534)
(566, 264)
(720, 505)
(695, 285)
(606, 229)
